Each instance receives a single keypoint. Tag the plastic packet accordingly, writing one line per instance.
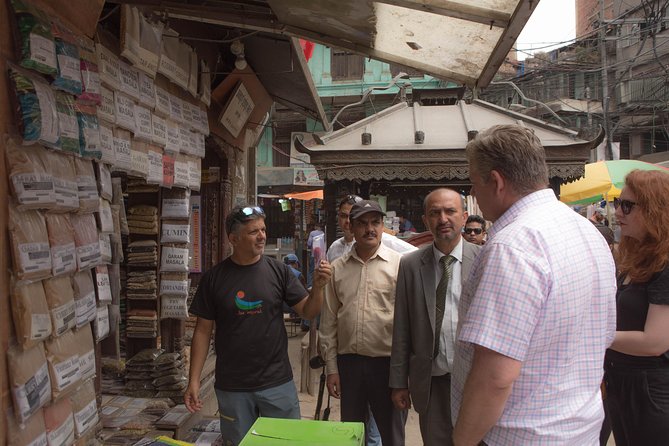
(38, 50)
(32, 322)
(28, 380)
(29, 240)
(68, 126)
(32, 184)
(89, 131)
(84, 408)
(61, 240)
(68, 78)
(65, 185)
(38, 116)
(318, 249)
(60, 299)
(84, 297)
(86, 240)
(63, 359)
(89, 200)
(90, 76)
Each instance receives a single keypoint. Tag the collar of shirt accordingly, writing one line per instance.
(382, 252)
(528, 201)
(457, 252)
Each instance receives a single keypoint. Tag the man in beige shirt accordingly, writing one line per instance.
(357, 325)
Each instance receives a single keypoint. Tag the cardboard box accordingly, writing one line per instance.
(280, 432)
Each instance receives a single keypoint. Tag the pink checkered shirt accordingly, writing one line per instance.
(542, 292)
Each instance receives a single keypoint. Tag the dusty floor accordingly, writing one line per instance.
(308, 402)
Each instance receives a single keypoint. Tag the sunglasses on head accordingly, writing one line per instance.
(625, 205)
(243, 214)
(476, 231)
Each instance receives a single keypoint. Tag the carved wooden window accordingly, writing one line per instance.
(346, 66)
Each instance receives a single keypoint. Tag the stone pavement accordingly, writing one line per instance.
(308, 402)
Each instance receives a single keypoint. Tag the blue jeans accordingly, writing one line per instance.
(239, 410)
(373, 434)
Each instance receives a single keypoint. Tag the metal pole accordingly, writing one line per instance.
(605, 81)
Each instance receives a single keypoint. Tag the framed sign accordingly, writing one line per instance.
(237, 110)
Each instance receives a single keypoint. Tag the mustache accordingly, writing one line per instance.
(370, 234)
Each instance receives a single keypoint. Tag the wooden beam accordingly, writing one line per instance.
(506, 41)
(456, 10)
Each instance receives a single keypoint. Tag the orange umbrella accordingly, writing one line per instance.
(311, 195)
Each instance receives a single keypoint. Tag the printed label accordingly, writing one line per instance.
(184, 140)
(174, 287)
(147, 91)
(106, 110)
(173, 140)
(107, 145)
(195, 175)
(187, 114)
(35, 257)
(64, 259)
(92, 139)
(143, 123)
(63, 318)
(34, 393)
(63, 434)
(66, 372)
(109, 66)
(34, 188)
(174, 259)
(91, 81)
(173, 307)
(159, 127)
(122, 153)
(167, 66)
(87, 188)
(155, 175)
(176, 208)
(85, 309)
(129, 80)
(102, 283)
(175, 233)
(39, 441)
(40, 327)
(101, 322)
(162, 102)
(87, 365)
(43, 50)
(140, 161)
(181, 77)
(66, 192)
(88, 255)
(124, 109)
(86, 417)
(181, 173)
(48, 115)
(68, 67)
(69, 128)
(105, 248)
(175, 109)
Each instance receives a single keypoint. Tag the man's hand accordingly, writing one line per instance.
(401, 399)
(322, 274)
(192, 397)
(334, 388)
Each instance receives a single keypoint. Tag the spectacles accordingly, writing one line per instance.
(625, 205)
(476, 231)
(243, 214)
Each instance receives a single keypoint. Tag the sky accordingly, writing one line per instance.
(552, 21)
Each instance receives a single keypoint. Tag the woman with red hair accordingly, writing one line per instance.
(637, 363)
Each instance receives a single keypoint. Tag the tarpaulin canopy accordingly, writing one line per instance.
(311, 195)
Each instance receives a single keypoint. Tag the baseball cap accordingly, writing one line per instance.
(291, 258)
(363, 207)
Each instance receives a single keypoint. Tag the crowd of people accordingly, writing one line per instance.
(500, 335)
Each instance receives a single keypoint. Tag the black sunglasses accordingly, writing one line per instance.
(243, 214)
(350, 199)
(625, 205)
(476, 231)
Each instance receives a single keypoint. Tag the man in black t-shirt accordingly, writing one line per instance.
(244, 296)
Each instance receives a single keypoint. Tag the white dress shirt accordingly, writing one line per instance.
(443, 363)
(340, 247)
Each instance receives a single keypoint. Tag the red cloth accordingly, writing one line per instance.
(307, 48)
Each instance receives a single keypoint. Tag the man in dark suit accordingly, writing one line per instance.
(428, 291)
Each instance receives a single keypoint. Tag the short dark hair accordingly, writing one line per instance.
(476, 219)
(349, 199)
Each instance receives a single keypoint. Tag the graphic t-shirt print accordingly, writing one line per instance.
(246, 307)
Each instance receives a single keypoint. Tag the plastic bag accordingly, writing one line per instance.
(38, 50)
(68, 126)
(32, 322)
(32, 184)
(29, 240)
(28, 380)
(90, 76)
(68, 78)
(318, 249)
(89, 131)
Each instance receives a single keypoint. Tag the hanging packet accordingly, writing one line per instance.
(61, 240)
(32, 185)
(89, 131)
(36, 43)
(60, 299)
(32, 322)
(30, 244)
(68, 126)
(90, 76)
(28, 380)
(68, 78)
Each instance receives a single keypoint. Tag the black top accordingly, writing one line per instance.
(632, 309)
(246, 302)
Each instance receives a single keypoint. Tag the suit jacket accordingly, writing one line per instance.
(413, 329)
